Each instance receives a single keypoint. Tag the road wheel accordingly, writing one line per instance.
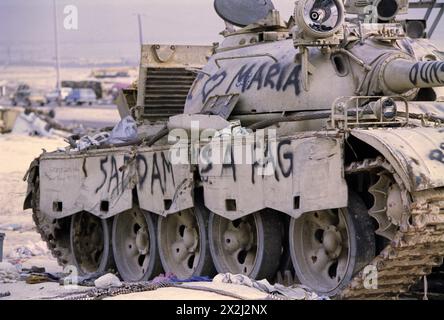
(90, 243)
(134, 245)
(251, 245)
(183, 243)
(329, 247)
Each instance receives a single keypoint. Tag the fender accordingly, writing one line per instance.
(97, 183)
(417, 154)
(293, 175)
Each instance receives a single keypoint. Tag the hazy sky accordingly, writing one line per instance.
(108, 28)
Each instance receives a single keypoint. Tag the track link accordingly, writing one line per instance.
(418, 245)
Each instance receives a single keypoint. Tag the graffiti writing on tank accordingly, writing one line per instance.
(212, 84)
(110, 172)
(438, 154)
(254, 76)
(266, 160)
(161, 176)
(428, 73)
(153, 172)
(283, 164)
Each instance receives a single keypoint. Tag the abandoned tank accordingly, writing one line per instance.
(313, 146)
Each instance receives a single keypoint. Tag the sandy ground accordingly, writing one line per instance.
(16, 154)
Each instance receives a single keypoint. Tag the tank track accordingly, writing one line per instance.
(418, 245)
(127, 288)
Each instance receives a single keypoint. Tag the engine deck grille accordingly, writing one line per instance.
(166, 91)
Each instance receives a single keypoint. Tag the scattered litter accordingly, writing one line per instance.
(5, 294)
(25, 252)
(108, 281)
(10, 227)
(125, 131)
(295, 292)
(37, 275)
(8, 273)
(39, 278)
(34, 269)
(163, 278)
(235, 129)
(87, 142)
(172, 278)
(84, 281)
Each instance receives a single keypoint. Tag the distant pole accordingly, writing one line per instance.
(139, 19)
(57, 58)
(8, 62)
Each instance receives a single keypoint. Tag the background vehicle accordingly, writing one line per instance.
(26, 97)
(81, 96)
(54, 95)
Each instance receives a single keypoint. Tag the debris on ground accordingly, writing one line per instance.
(295, 292)
(8, 273)
(34, 122)
(5, 294)
(23, 253)
(84, 281)
(29, 123)
(172, 278)
(10, 227)
(220, 285)
(38, 278)
(34, 269)
(108, 281)
(39, 275)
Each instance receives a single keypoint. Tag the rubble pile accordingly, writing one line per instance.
(108, 281)
(34, 122)
(8, 273)
(25, 252)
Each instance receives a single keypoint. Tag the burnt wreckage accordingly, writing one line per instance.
(346, 183)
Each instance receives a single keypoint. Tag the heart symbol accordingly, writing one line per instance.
(212, 83)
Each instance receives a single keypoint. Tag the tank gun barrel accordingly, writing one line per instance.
(401, 75)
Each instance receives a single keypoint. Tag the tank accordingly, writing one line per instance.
(310, 150)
